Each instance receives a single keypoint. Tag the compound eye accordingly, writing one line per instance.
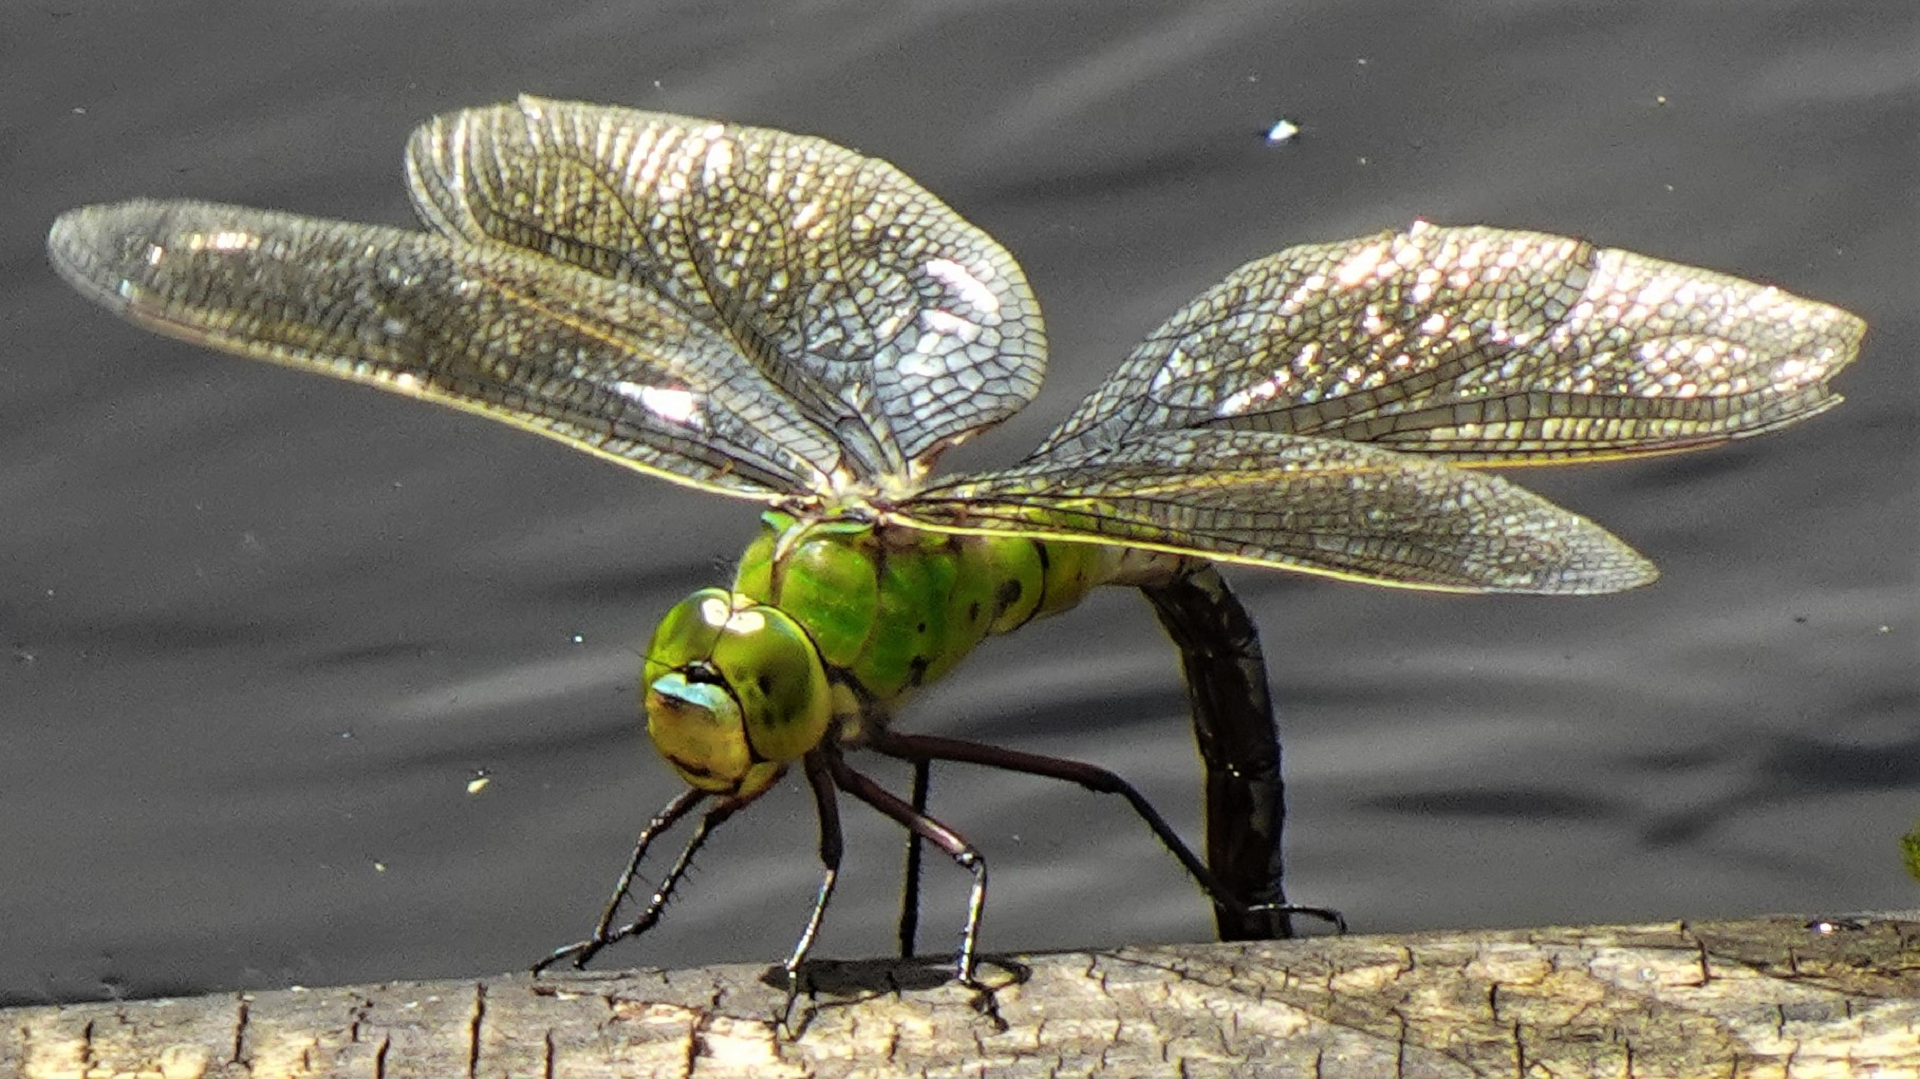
(775, 673)
(735, 692)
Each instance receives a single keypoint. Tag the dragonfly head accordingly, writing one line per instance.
(735, 692)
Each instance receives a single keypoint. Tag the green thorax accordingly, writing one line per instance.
(893, 608)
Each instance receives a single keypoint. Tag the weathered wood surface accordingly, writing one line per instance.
(1757, 998)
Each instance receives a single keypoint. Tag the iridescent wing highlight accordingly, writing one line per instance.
(603, 366)
(877, 311)
(742, 310)
(1489, 346)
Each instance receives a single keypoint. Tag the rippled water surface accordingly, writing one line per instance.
(263, 628)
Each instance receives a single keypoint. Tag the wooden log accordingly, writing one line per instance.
(1756, 998)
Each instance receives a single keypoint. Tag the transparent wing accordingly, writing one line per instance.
(603, 366)
(1316, 505)
(1490, 346)
(877, 310)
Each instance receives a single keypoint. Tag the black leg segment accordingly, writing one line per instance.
(962, 852)
(922, 747)
(910, 889)
(580, 952)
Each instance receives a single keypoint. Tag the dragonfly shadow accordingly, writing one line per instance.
(827, 984)
(850, 979)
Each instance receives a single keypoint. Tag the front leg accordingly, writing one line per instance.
(963, 853)
(832, 845)
(580, 952)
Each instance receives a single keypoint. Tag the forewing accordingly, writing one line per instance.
(1490, 346)
(1316, 505)
(882, 314)
(598, 364)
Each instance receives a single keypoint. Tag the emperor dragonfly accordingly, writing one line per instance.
(775, 318)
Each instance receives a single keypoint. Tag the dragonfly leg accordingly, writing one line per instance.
(914, 747)
(820, 778)
(604, 933)
(962, 852)
(910, 892)
(663, 820)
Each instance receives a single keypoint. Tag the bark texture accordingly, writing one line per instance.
(1759, 998)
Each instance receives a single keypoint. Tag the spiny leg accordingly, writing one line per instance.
(914, 747)
(910, 893)
(663, 820)
(603, 933)
(962, 852)
(667, 817)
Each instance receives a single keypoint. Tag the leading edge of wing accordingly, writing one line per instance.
(1320, 506)
(482, 328)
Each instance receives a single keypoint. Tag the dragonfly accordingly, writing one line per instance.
(775, 318)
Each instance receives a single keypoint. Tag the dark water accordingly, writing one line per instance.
(263, 628)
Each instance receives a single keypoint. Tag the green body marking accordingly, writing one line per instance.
(891, 609)
(831, 622)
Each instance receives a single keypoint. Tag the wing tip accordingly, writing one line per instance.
(89, 246)
(1625, 574)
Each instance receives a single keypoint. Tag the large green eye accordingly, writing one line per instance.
(735, 692)
(775, 673)
(686, 634)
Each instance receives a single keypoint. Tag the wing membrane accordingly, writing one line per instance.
(598, 364)
(877, 310)
(1489, 346)
(1316, 505)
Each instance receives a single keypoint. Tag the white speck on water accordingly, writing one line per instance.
(1282, 131)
